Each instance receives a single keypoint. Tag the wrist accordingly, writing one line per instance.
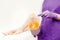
(58, 16)
(53, 15)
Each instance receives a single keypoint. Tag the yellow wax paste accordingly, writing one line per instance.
(33, 25)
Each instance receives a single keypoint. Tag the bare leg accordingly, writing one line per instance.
(24, 27)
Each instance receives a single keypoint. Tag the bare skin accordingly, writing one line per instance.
(25, 27)
(58, 17)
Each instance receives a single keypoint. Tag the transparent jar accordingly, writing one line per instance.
(34, 23)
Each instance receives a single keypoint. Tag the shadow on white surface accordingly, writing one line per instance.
(23, 36)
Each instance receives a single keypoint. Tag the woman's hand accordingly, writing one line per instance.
(48, 14)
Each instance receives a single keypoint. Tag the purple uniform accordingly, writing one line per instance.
(50, 27)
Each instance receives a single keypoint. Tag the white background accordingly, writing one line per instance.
(13, 13)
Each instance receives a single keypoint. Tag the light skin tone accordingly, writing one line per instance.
(58, 17)
(24, 28)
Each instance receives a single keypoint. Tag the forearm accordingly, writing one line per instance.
(58, 17)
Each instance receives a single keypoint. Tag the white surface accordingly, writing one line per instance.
(13, 13)
(23, 36)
